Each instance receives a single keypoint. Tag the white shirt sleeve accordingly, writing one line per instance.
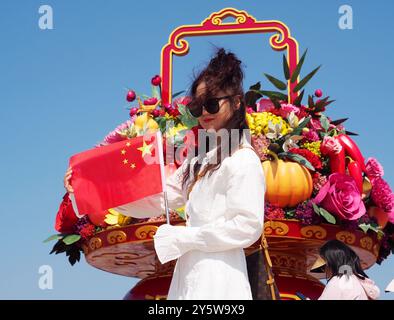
(243, 221)
(153, 205)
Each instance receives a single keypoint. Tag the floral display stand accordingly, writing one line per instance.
(293, 248)
(319, 187)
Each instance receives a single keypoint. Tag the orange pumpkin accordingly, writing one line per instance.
(379, 214)
(288, 183)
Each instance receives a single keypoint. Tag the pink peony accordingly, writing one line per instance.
(374, 168)
(330, 145)
(340, 196)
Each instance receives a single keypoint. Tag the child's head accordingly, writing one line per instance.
(341, 259)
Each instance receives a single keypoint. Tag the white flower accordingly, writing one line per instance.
(293, 120)
(274, 130)
(291, 142)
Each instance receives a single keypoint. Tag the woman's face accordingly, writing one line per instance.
(218, 120)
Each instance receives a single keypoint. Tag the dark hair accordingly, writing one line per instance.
(223, 73)
(337, 254)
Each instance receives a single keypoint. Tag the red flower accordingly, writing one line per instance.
(65, 218)
(308, 155)
(87, 231)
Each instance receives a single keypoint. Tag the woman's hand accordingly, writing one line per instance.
(66, 180)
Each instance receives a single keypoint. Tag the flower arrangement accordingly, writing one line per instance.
(315, 172)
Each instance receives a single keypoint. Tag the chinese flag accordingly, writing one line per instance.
(117, 174)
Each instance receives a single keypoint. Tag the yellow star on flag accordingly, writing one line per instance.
(125, 161)
(145, 149)
(132, 166)
(123, 151)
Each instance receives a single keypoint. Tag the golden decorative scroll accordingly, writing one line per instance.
(314, 232)
(116, 236)
(146, 232)
(275, 228)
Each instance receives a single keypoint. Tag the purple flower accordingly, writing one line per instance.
(305, 213)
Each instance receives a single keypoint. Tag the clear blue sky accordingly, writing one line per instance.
(62, 90)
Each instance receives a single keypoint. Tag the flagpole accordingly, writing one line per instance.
(163, 175)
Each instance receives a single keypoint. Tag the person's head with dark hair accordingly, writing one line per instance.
(217, 101)
(341, 259)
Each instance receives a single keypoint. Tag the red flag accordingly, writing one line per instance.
(117, 174)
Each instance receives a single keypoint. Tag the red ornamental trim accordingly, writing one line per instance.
(214, 25)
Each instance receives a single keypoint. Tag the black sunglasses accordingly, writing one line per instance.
(211, 105)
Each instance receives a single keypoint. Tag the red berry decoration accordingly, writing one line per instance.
(318, 93)
(133, 111)
(156, 80)
(130, 96)
(156, 113)
(150, 101)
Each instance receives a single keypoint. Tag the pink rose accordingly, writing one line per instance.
(340, 196)
(330, 145)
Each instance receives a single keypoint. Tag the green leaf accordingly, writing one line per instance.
(297, 131)
(59, 247)
(286, 69)
(311, 103)
(364, 227)
(251, 96)
(155, 92)
(272, 94)
(300, 159)
(339, 121)
(349, 133)
(54, 237)
(316, 209)
(161, 121)
(186, 117)
(325, 123)
(305, 80)
(177, 94)
(72, 238)
(181, 213)
(297, 69)
(276, 82)
(328, 216)
(298, 100)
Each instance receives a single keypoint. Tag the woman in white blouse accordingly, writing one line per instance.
(225, 206)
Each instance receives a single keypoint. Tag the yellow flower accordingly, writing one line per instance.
(313, 147)
(174, 130)
(258, 123)
(115, 218)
